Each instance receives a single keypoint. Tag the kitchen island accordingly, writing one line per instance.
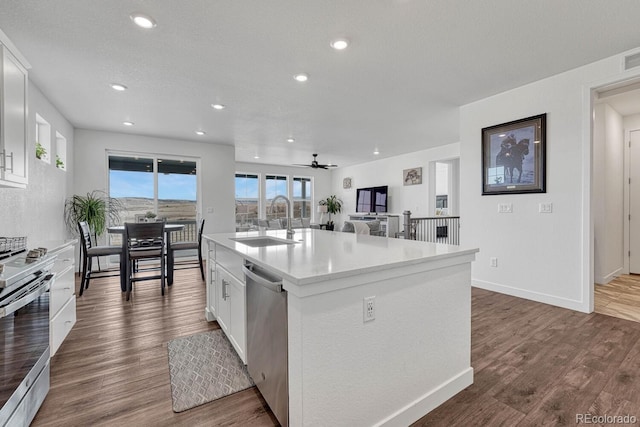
(343, 370)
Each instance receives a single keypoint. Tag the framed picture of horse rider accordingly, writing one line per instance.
(513, 157)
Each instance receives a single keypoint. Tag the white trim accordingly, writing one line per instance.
(429, 401)
(533, 296)
(603, 280)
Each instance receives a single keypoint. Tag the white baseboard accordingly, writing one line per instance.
(429, 401)
(533, 296)
(603, 280)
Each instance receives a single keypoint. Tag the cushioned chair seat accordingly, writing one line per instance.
(104, 250)
(184, 245)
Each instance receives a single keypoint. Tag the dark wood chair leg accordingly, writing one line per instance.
(83, 277)
(89, 268)
(200, 261)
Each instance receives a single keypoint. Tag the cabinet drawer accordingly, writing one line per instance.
(61, 324)
(64, 260)
(230, 261)
(62, 289)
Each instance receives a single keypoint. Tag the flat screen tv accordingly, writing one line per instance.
(372, 199)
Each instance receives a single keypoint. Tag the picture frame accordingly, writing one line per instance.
(412, 176)
(514, 157)
(346, 183)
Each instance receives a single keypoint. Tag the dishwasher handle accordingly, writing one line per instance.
(272, 286)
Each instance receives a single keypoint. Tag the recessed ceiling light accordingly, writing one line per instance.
(200, 132)
(302, 77)
(256, 157)
(128, 123)
(143, 21)
(340, 44)
(290, 140)
(376, 152)
(119, 87)
(218, 106)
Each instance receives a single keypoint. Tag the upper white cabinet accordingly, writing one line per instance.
(13, 117)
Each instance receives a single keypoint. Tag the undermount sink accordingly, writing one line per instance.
(262, 241)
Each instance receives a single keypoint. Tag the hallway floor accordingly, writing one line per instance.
(619, 298)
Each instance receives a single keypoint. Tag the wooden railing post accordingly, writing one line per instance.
(407, 224)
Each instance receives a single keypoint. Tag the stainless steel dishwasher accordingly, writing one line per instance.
(267, 358)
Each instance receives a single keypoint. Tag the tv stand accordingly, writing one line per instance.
(389, 224)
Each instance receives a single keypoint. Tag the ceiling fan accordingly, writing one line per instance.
(315, 165)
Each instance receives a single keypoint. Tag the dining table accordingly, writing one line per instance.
(168, 229)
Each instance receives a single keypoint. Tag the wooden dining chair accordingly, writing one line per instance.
(188, 245)
(89, 251)
(144, 241)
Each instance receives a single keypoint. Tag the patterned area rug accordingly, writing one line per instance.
(204, 367)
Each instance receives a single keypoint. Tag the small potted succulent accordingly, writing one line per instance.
(149, 216)
(41, 152)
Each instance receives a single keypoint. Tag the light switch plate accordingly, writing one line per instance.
(545, 208)
(505, 208)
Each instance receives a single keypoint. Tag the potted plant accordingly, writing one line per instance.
(334, 206)
(41, 152)
(59, 162)
(96, 208)
(149, 216)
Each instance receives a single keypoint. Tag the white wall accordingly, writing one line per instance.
(321, 179)
(388, 171)
(608, 186)
(37, 211)
(216, 173)
(543, 257)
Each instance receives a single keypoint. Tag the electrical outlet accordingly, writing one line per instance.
(369, 308)
(493, 262)
(210, 210)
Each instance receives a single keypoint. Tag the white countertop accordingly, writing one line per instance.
(322, 255)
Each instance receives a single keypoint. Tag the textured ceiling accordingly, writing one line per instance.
(397, 88)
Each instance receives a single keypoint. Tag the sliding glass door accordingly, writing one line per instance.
(152, 188)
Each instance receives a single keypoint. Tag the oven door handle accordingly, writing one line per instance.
(30, 297)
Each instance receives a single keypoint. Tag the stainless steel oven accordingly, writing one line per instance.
(24, 338)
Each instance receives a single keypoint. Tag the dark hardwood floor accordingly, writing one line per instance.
(534, 364)
(113, 369)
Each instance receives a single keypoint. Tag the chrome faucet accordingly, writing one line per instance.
(290, 231)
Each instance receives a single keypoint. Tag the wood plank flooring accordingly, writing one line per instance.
(620, 297)
(534, 364)
(113, 368)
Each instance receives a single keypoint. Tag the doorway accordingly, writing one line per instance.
(616, 200)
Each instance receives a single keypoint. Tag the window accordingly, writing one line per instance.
(152, 188)
(43, 139)
(247, 199)
(276, 185)
(61, 151)
(302, 197)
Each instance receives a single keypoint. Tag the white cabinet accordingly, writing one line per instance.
(231, 310)
(211, 308)
(226, 295)
(13, 119)
(62, 298)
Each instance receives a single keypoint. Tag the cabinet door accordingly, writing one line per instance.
(238, 333)
(14, 120)
(224, 304)
(212, 292)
